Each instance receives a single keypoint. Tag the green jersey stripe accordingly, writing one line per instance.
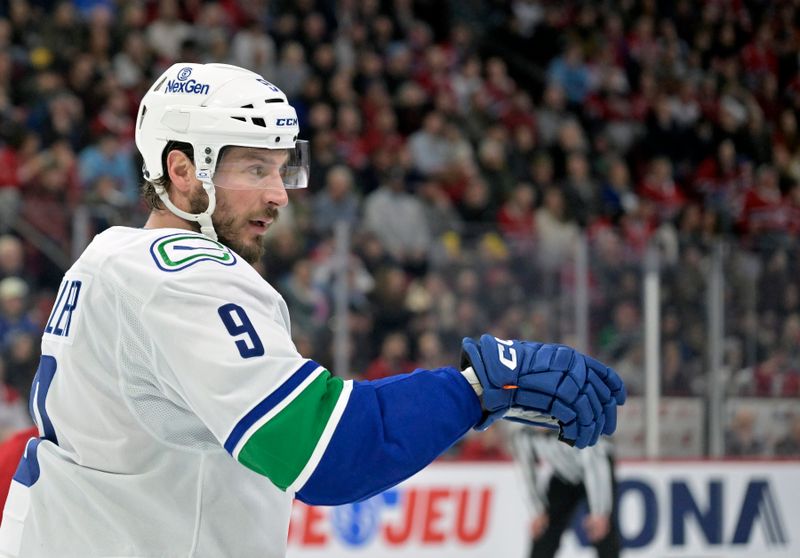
(327, 434)
(284, 395)
(281, 447)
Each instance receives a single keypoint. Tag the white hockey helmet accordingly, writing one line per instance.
(211, 106)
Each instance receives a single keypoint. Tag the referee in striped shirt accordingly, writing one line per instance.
(575, 475)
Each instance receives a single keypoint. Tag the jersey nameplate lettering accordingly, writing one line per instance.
(179, 251)
(62, 324)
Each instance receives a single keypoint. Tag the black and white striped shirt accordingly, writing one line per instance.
(591, 466)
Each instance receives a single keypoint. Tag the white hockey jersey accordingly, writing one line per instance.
(147, 377)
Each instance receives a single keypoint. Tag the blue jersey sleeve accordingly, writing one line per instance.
(390, 429)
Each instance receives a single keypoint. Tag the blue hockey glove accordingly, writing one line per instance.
(545, 385)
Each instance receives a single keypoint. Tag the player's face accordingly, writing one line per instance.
(249, 194)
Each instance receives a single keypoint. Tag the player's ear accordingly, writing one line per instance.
(180, 169)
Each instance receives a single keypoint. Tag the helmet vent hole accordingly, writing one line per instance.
(273, 100)
(259, 122)
(141, 116)
(242, 118)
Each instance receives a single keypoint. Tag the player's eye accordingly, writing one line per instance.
(258, 171)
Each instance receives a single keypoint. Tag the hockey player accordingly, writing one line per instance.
(176, 417)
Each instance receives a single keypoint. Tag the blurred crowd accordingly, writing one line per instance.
(468, 146)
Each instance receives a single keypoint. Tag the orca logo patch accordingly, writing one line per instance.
(179, 251)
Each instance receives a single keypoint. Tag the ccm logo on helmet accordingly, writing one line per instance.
(286, 122)
(189, 86)
(268, 84)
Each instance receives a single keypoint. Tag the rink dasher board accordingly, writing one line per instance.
(698, 509)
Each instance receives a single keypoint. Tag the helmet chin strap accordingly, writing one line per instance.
(204, 218)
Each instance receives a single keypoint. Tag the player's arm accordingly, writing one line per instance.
(391, 428)
(329, 440)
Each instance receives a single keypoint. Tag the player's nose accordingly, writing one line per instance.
(275, 195)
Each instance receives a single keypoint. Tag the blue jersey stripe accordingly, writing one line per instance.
(45, 375)
(268, 403)
(28, 469)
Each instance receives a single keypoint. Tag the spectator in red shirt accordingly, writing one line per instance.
(350, 145)
(792, 207)
(9, 186)
(718, 173)
(516, 216)
(764, 209)
(758, 56)
(774, 378)
(659, 187)
(721, 181)
(382, 132)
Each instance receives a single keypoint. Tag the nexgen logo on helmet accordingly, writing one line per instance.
(222, 106)
(190, 86)
(184, 86)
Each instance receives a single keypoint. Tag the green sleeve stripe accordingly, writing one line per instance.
(325, 439)
(281, 447)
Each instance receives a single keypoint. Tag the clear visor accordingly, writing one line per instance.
(252, 168)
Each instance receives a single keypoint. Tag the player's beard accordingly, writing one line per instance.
(226, 229)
